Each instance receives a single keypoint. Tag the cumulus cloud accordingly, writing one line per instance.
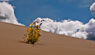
(92, 8)
(68, 27)
(91, 29)
(7, 13)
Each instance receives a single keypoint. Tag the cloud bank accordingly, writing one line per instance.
(69, 27)
(7, 13)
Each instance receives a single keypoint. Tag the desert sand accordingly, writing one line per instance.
(12, 43)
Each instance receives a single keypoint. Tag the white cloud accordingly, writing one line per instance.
(91, 29)
(7, 13)
(92, 8)
(68, 27)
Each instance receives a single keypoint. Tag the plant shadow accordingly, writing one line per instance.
(36, 44)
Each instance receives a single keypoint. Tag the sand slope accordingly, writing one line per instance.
(12, 43)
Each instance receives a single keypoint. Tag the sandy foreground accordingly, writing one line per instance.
(12, 43)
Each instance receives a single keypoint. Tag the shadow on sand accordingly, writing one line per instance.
(38, 43)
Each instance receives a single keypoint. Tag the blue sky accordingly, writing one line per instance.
(54, 9)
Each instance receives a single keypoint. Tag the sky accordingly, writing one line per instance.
(55, 9)
(71, 13)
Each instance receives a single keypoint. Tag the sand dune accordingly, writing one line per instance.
(12, 43)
